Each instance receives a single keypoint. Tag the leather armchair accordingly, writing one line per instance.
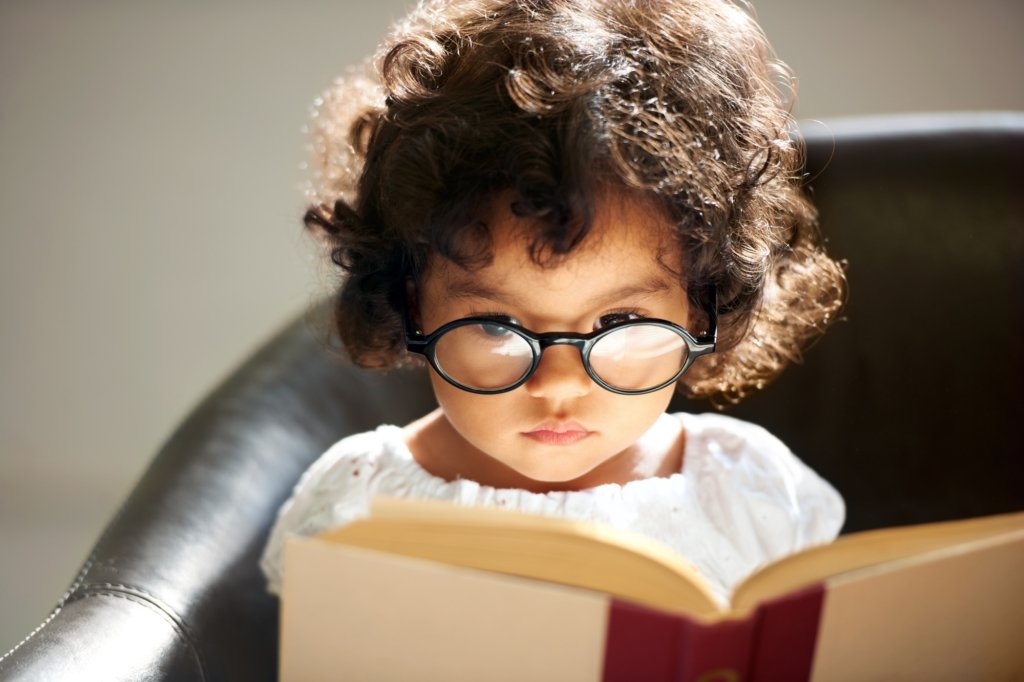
(906, 405)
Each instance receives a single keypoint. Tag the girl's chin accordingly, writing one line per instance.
(557, 473)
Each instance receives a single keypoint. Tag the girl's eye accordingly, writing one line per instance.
(617, 318)
(493, 329)
(498, 328)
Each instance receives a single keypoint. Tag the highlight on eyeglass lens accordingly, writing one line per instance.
(490, 356)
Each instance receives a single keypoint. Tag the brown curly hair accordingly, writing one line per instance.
(682, 101)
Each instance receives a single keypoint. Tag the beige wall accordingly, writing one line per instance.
(149, 211)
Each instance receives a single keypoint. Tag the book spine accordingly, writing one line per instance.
(776, 642)
(786, 635)
(646, 645)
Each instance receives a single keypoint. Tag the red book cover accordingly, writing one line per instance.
(784, 640)
(776, 642)
(648, 645)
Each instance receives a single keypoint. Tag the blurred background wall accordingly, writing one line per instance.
(149, 211)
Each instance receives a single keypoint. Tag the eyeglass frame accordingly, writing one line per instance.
(425, 344)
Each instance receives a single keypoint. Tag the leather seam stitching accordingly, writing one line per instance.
(56, 609)
(144, 598)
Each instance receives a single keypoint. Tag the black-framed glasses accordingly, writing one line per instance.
(489, 355)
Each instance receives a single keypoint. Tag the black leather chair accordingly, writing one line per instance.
(907, 405)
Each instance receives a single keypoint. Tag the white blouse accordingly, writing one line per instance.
(741, 500)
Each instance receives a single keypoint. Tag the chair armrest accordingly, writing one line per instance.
(172, 589)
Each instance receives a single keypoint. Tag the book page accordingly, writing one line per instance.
(582, 554)
(860, 550)
(950, 615)
(353, 614)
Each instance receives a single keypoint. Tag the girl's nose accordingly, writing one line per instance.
(560, 374)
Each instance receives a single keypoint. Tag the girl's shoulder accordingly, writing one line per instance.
(369, 448)
(336, 489)
(730, 459)
(339, 482)
(718, 439)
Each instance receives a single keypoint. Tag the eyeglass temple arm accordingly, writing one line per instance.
(415, 342)
(711, 337)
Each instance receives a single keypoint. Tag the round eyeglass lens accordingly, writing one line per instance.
(638, 357)
(485, 356)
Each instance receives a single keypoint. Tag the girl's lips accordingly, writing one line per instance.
(558, 434)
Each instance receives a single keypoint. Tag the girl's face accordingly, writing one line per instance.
(559, 426)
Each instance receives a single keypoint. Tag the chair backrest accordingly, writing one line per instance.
(910, 404)
(906, 405)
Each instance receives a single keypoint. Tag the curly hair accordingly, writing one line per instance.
(683, 102)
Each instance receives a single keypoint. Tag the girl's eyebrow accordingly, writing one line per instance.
(652, 285)
(470, 289)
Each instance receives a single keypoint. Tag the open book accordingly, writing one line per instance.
(433, 590)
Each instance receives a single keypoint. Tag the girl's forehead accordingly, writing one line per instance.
(625, 230)
(629, 248)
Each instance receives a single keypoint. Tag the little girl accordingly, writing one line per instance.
(567, 209)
